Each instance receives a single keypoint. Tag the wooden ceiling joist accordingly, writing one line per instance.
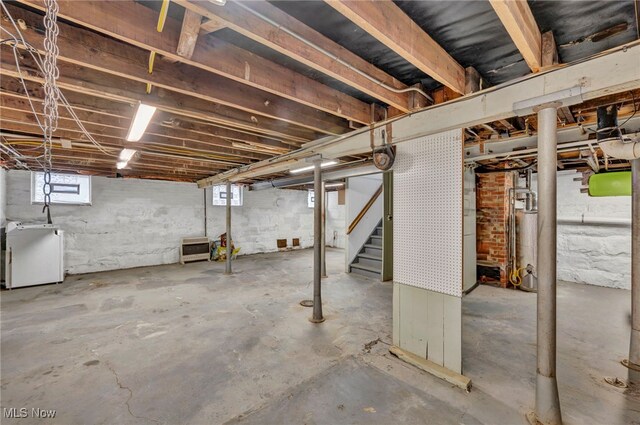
(189, 34)
(25, 124)
(217, 124)
(136, 24)
(271, 33)
(392, 27)
(156, 134)
(90, 50)
(519, 22)
(105, 86)
(165, 124)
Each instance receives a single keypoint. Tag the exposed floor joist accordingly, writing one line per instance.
(90, 50)
(274, 33)
(385, 21)
(519, 22)
(117, 89)
(494, 104)
(136, 25)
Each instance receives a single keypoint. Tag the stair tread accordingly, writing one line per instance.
(369, 256)
(368, 245)
(376, 237)
(367, 268)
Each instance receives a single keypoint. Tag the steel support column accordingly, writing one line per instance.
(547, 409)
(634, 347)
(317, 242)
(227, 269)
(323, 243)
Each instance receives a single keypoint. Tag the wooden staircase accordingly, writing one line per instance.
(368, 262)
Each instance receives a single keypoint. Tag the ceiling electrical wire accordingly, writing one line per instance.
(15, 42)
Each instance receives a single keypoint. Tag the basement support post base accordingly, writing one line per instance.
(547, 401)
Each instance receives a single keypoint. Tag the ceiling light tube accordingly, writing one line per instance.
(126, 154)
(140, 121)
(311, 167)
(334, 185)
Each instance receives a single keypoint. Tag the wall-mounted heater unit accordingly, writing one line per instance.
(194, 249)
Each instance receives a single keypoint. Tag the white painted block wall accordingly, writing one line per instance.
(592, 254)
(266, 215)
(336, 224)
(134, 223)
(3, 196)
(130, 223)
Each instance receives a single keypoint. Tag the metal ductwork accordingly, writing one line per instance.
(326, 176)
(610, 138)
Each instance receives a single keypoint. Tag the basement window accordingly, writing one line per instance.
(69, 189)
(311, 199)
(220, 195)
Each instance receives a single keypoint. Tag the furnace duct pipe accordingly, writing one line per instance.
(317, 241)
(227, 269)
(360, 170)
(610, 138)
(634, 346)
(547, 409)
(595, 221)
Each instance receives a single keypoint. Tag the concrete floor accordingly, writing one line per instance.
(189, 345)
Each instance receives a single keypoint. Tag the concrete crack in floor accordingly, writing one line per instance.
(123, 387)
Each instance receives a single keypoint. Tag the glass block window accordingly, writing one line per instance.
(70, 189)
(311, 199)
(220, 195)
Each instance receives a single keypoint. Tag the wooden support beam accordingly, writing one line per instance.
(13, 95)
(157, 134)
(211, 25)
(519, 22)
(120, 90)
(135, 24)
(549, 51)
(90, 50)
(189, 34)
(472, 80)
(275, 33)
(391, 26)
(17, 121)
(549, 59)
(226, 125)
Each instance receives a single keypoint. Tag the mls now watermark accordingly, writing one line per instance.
(23, 412)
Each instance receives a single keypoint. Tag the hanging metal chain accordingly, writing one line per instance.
(51, 74)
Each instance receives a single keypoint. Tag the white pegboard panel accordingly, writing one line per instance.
(427, 213)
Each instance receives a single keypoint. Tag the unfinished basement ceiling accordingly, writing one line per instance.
(470, 31)
(211, 119)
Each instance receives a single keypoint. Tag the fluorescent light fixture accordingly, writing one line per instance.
(218, 2)
(334, 185)
(311, 167)
(126, 154)
(121, 164)
(140, 121)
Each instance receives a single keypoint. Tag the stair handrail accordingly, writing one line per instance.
(366, 208)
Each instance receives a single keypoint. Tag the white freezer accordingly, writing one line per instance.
(34, 255)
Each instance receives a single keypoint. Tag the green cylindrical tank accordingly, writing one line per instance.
(610, 184)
